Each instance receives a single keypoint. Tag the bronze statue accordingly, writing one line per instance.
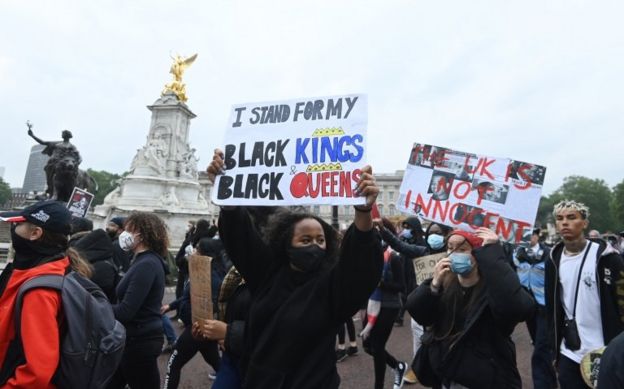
(177, 69)
(62, 172)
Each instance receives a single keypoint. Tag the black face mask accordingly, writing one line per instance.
(29, 253)
(307, 258)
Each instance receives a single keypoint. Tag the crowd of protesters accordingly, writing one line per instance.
(285, 284)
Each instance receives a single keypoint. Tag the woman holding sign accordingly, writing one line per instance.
(303, 285)
(470, 306)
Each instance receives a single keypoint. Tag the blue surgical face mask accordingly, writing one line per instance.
(435, 241)
(460, 263)
(406, 233)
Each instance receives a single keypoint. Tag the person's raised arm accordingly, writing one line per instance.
(407, 249)
(241, 239)
(366, 187)
(40, 141)
(509, 301)
(358, 270)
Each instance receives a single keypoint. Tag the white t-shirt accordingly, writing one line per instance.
(588, 317)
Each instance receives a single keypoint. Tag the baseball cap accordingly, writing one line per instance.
(118, 220)
(51, 215)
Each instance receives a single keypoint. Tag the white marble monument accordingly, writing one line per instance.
(163, 176)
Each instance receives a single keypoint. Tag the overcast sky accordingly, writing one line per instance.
(536, 81)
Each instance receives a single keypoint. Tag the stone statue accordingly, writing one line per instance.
(188, 165)
(62, 169)
(177, 70)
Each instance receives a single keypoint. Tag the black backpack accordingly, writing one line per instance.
(92, 341)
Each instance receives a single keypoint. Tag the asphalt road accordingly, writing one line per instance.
(356, 372)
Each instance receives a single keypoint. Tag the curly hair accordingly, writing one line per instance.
(152, 229)
(281, 228)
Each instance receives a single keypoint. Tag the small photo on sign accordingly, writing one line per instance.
(440, 185)
(462, 165)
(420, 156)
(527, 172)
(468, 214)
(491, 191)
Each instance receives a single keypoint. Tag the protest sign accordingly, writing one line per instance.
(79, 202)
(296, 152)
(468, 191)
(423, 266)
(201, 287)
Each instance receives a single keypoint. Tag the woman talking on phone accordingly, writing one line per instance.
(469, 309)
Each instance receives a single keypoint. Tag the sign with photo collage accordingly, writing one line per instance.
(466, 190)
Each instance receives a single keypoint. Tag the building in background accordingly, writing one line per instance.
(35, 178)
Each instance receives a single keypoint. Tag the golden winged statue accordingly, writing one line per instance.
(177, 70)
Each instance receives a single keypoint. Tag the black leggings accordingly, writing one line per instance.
(186, 347)
(139, 364)
(375, 344)
(350, 329)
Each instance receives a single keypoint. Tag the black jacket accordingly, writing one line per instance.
(392, 283)
(610, 277)
(291, 332)
(120, 257)
(482, 355)
(97, 248)
(408, 252)
(236, 316)
(611, 373)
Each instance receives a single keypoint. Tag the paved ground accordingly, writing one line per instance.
(356, 372)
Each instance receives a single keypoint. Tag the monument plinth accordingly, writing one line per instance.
(163, 175)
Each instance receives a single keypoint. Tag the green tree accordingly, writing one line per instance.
(106, 183)
(5, 192)
(596, 194)
(544, 210)
(617, 206)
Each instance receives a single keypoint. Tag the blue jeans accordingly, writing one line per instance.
(168, 328)
(228, 376)
(544, 376)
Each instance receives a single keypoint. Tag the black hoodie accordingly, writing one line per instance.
(290, 334)
(97, 248)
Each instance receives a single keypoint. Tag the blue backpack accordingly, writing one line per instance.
(92, 341)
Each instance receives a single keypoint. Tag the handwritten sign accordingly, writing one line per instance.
(79, 202)
(201, 287)
(468, 191)
(423, 266)
(296, 152)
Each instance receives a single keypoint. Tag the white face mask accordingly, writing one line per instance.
(126, 241)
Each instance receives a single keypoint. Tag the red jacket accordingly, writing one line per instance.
(40, 328)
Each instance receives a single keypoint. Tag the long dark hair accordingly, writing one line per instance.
(60, 241)
(280, 230)
(452, 294)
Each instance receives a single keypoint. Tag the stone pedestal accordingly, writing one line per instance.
(163, 176)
